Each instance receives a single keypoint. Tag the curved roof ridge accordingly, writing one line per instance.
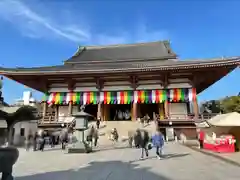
(219, 59)
(123, 45)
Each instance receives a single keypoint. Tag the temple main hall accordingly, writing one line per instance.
(124, 83)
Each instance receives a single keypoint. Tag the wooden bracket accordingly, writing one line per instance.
(71, 84)
(134, 81)
(99, 83)
(165, 80)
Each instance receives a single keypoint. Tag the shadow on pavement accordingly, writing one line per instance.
(109, 170)
(175, 155)
(164, 157)
(109, 148)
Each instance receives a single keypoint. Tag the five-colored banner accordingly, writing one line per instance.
(122, 97)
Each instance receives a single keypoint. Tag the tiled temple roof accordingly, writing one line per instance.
(123, 58)
(123, 52)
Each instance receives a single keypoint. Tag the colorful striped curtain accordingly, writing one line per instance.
(123, 97)
(192, 94)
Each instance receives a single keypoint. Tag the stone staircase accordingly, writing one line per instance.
(123, 127)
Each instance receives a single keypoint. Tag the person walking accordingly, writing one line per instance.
(115, 135)
(28, 141)
(96, 137)
(98, 123)
(158, 142)
(52, 139)
(144, 139)
(89, 137)
(130, 138)
(35, 141)
(201, 139)
(42, 141)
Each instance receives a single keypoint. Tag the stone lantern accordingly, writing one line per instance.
(80, 146)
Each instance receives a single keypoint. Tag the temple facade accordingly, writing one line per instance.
(124, 82)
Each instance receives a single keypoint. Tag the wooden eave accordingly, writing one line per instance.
(202, 73)
(171, 66)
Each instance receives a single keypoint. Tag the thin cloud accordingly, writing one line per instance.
(34, 24)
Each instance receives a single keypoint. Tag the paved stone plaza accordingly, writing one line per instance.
(123, 163)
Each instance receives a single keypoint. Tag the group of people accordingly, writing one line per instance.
(40, 139)
(37, 141)
(142, 140)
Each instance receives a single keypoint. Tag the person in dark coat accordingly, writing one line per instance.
(137, 138)
(96, 137)
(143, 142)
(98, 123)
(52, 139)
(35, 138)
(63, 137)
(42, 141)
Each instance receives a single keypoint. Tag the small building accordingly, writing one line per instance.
(125, 82)
(21, 129)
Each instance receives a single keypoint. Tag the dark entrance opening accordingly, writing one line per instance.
(163, 131)
(91, 109)
(148, 109)
(120, 112)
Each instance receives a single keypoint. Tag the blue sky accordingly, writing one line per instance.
(46, 32)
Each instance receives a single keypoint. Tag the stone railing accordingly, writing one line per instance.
(51, 118)
(190, 117)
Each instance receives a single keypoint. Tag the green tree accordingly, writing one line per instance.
(212, 106)
(231, 104)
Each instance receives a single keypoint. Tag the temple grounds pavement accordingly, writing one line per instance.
(115, 162)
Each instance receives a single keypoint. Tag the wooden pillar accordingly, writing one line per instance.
(196, 109)
(99, 111)
(161, 111)
(44, 108)
(105, 112)
(70, 108)
(166, 109)
(134, 111)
